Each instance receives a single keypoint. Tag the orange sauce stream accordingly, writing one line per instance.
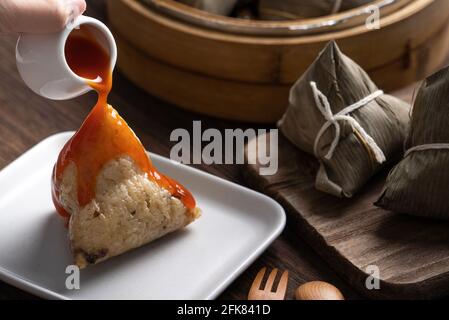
(104, 135)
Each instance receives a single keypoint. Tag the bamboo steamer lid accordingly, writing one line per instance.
(247, 77)
(300, 27)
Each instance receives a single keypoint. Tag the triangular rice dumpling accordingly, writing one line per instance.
(338, 114)
(111, 196)
(419, 184)
(298, 9)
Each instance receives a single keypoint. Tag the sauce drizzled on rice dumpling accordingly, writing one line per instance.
(104, 135)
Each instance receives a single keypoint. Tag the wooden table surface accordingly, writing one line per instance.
(26, 119)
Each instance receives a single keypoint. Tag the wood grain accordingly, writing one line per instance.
(26, 119)
(351, 234)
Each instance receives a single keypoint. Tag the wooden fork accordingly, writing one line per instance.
(267, 293)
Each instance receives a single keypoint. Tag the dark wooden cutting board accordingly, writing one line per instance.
(412, 254)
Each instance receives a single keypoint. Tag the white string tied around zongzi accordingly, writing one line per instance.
(323, 105)
(425, 147)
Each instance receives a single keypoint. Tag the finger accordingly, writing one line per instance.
(38, 16)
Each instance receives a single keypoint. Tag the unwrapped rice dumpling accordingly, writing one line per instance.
(338, 114)
(419, 184)
(297, 9)
(221, 7)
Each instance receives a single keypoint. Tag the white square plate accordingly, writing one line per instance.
(198, 262)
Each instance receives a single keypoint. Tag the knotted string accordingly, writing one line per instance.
(323, 105)
(425, 147)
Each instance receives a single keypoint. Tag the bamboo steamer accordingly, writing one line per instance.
(247, 77)
(300, 27)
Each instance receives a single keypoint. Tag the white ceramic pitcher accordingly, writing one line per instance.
(42, 64)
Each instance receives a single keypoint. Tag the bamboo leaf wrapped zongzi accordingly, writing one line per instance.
(339, 115)
(419, 184)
